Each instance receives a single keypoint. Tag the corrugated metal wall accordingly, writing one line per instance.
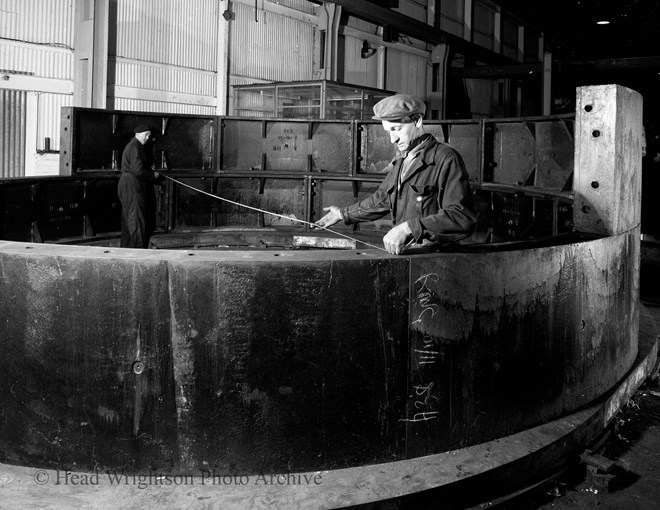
(140, 105)
(41, 61)
(416, 9)
(38, 43)
(165, 46)
(48, 126)
(298, 5)
(13, 104)
(169, 32)
(358, 70)
(406, 65)
(25, 20)
(406, 73)
(274, 48)
(166, 78)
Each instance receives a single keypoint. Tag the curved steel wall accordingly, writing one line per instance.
(256, 361)
(292, 360)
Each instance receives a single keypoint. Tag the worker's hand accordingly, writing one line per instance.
(333, 216)
(156, 174)
(395, 239)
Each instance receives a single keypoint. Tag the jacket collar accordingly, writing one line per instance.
(423, 159)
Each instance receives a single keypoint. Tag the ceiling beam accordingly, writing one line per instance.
(505, 71)
(413, 28)
(515, 70)
(631, 63)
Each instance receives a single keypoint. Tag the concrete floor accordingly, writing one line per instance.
(634, 446)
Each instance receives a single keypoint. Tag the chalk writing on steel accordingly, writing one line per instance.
(423, 350)
(425, 297)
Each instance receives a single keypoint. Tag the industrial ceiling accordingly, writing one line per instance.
(626, 50)
(573, 31)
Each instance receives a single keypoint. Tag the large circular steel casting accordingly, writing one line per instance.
(276, 361)
(246, 346)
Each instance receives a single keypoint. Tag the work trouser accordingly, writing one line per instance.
(134, 211)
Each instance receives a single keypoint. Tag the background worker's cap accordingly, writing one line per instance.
(141, 128)
(398, 107)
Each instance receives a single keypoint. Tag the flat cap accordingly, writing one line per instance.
(398, 107)
(141, 128)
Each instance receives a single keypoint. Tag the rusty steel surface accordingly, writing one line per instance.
(301, 360)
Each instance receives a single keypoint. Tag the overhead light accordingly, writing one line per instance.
(602, 22)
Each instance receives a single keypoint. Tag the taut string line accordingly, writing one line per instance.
(271, 213)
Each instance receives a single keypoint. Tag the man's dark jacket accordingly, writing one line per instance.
(434, 197)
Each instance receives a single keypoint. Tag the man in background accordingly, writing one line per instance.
(136, 191)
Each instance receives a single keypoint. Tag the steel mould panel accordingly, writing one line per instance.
(465, 137)
(95, 139)
(555, 147)
(344, 193)
(192, 209)
(18, 211)
(280, 361)
(376, 150)
(331, 146)
(102, 206)
(530, 152)
(185, 143)
(54, 209)
(286, 146)
(513, 154)
(59, 210)
(282, 196)
(241, 144)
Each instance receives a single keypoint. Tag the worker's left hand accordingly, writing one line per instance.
(395, 239)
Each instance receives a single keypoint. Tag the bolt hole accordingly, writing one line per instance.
(588, 108)
(595, 133)
(582, 324)
(192, 254)
(138, 367)
(106, 251)
(595, 184)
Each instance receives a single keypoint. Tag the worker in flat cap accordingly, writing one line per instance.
(426, 189)
(136, 190)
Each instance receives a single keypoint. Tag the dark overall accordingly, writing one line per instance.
(137, 197)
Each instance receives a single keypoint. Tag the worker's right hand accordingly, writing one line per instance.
(333, 216)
